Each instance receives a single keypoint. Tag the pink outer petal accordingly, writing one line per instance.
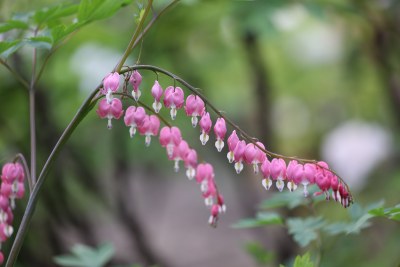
(116, 108)
(278, 169)
(11, 172)
(181, 150)
(156, 91)
(220, 128)
(265, 168)
(194, 106)
(205, 123)
(233, 139)
(310, 171)
(110, 82)
(191, 158)
(239, 150)
(173, 97)
(135, 80)
(204, 171)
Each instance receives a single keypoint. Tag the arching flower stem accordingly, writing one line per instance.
(244, 134)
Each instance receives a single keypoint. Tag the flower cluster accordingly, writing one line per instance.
(273, 169)
(12, 187)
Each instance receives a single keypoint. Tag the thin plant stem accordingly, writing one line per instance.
(134, 38)
(30, 208)
(86, 106)
(16, 75)
(32, 121)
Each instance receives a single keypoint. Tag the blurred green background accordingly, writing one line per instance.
(315, 79)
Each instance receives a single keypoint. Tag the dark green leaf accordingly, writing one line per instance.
(305, 230)
(90, 10)
(303, 261)
(13, 24)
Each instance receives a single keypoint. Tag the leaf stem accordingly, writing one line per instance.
(16, 75)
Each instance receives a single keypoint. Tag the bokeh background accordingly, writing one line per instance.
(316, 79)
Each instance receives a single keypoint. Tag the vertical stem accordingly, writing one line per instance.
(32, 119)
(134, 37)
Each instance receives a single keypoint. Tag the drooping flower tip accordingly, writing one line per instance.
(194, 107)
(156, 92)
(135, 80)
(170, 137)
(12, 172)
(233, 139)
(220, 132)
(173, 99)
(205, 126)
(149, 127)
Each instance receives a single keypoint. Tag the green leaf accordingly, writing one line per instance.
(47, 15)
(84, 256)
(90, 10)
(8, 48)
(392, 213)
(287, 199)
(303, 261)
(259, 254)
(13, 24)
(40, 42)
(305, 230)
(262, 219)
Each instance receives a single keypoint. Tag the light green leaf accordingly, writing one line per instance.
(40, 42)
(287, 199)
(48, 15)
(303, 261)
(85, 256)
(259, 254)
(8, 48)
(13, 24)
(305, 230)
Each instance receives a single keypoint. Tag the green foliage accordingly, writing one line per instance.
(84, 256)
(305, 230)
(262, 219)
(259, 254)
(303, 261)
(91, 10)
(392, 213)
(50, 25)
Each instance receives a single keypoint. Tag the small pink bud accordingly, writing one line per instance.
(20, 190)
(265, 170)
(233, 139)
(4, 203)
(110, 85)
(135, 80)
(220, 131)
(179, 153)
(205, 126)
(170, 137)
(173, 99)
(278, 172)
(254, 155)
(190, 163)
(112, 110)
(204, 171)
(12, 172)
(238, 155)
(194, 107)
(215, 209)
(294, 174)
(134, 117)
(156, 92)
(149, 127)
